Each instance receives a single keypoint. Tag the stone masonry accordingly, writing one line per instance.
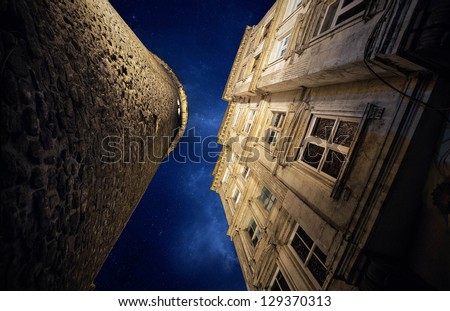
(71, 74)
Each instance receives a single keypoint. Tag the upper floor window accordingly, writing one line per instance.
(267, 198)
(226, 176)
(255, 62)
(236, 117)
(279, 283)
(243, 72)
(236, 195)
(250, 47)
(233, 158)
(338, 12)
(282, 46)
(254, 232)
(245, 172)
(294, 4)
(327, 144)
(310, 254)
(266, 31)
(275, 127)
(249, 121)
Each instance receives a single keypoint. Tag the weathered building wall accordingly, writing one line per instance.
(72, 73)
(376, 215)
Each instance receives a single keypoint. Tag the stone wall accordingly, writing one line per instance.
(71, 74)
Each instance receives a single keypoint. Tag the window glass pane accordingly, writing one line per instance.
(323, 128)
(351, 12)
(333, 163)
(275, 119)
(245, 172)
(317, 270)
(300, 248)
(282, 282)
(328, 20)
(321, 255)
(275, 287)
(346, 2)
(251, 232)
(345, 133)
(271, 136)
(305, 237)
(312, 155)
(270, 202)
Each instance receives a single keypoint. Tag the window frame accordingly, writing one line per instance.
(270, 199)
(275, 280)
(234, 157)
(250, 120)
(312, 254)
(266, 31)
(245, 172)
(328, 145)
(226, 176)
(274, 128)
(256, 60)
(236, 195)
(255, 234)
(243, 73)
(283, 45)
(236, 117)
(340, 11)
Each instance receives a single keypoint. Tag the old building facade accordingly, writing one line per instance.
(87, 114)
(334, 172)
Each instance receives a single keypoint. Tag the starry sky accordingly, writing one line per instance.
(176, 238)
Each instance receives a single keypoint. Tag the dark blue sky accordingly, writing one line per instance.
(176, 238)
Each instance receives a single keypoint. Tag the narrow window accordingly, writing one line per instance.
(279, 283)
(249, 121)
(245, 172)
(275, 127)
(267, 198)
(283, 46)
(236, 195)
(310, 254)
(254, 232)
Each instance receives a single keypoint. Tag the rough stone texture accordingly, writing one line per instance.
(71, 74)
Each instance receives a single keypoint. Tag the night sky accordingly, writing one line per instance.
(176, 238)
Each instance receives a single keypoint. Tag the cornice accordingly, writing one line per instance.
(233, 73)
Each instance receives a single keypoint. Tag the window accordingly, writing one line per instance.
(226, 176)
(310, 254)
(279, 283)
(250, 120)
(294, 5)
(254, 232)
(243, 74)
(283, 45)
(328, 143)
(245, 172)
(338, 12)
(250, 47)
(266, 31)
(255, 62)
(233, 158)
(275, 127)
(236, 195)
(267, 198)
(236, 117)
